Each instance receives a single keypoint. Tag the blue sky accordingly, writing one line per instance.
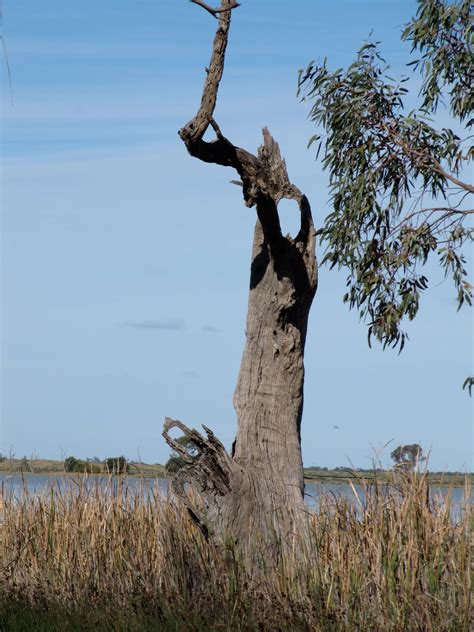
(125, 263)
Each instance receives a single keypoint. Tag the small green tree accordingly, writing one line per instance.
(408, 457)
(71, 464)
(116, 465)
(176, 461)
(396, 182)
(174, 464)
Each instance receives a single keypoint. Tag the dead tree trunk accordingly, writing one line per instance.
(258, 489)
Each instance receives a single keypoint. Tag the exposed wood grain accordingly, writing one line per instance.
(259, 487)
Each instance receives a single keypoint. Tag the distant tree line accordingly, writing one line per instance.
(405, 457)
(408, 457)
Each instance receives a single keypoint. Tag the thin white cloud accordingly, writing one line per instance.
(167, 325)
(191, 373)
(209, 329)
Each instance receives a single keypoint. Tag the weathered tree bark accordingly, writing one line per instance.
(258, 489)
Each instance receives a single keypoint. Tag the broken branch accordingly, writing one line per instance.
(215, 12)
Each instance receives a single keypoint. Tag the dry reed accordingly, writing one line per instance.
(96, 555)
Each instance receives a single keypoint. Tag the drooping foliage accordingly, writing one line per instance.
(442, 33)
(397, 183)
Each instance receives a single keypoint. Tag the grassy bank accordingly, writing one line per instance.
(48, 466)
(450, 479)
(86, 557)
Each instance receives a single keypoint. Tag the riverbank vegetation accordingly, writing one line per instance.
(73, 465)
(85, 556)
(156, 470)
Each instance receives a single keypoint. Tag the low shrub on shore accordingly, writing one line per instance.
(113, 557)
(78, 466)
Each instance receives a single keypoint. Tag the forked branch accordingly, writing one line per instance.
(212, 11)
(264, 178)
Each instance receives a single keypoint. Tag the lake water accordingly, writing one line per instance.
(41, 483)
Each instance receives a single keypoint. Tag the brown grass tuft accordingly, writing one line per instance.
(93, 555)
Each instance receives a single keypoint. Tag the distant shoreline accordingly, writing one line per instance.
(339, 476)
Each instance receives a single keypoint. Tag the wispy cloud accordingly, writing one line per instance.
(191, 373)
(210, 329)
(168, 325)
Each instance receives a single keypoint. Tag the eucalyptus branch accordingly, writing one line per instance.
(424, 159)
(448, 210)
(451, 178)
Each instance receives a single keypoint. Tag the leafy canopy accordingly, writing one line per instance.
(396, 182)
(408, 456)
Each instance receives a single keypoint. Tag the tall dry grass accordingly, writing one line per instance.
(93, 556)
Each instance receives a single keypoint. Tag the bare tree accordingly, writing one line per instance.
(258, 488)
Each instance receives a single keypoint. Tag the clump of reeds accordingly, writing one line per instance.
(89, 555)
